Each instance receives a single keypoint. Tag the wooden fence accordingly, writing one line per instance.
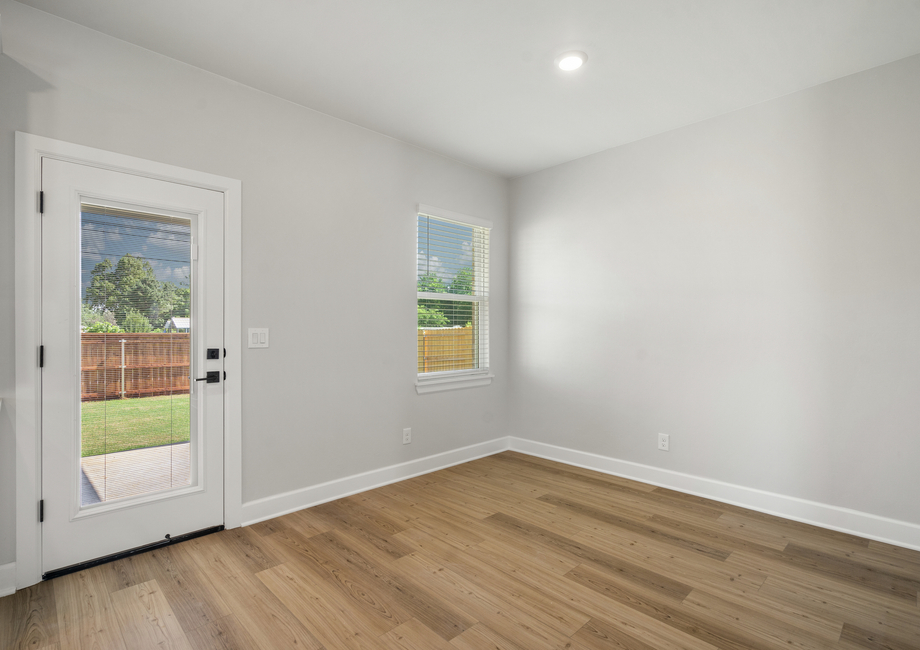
(154, 364)
(446, 348)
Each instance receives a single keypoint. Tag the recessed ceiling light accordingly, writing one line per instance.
(571, 60)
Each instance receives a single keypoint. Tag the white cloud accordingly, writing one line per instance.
(434, 265)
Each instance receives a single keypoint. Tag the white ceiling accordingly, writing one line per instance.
(474, 79)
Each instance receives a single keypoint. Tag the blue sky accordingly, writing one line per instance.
(447, 248)
(167, 246)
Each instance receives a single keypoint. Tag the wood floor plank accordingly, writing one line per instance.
(376, 536)
(480, 637)
(859, 639)
(755, 622)
(600, 635)
(644, 527)
(330, 625)
(904, 557)
(86, 615)
(793, 531)
(546, 465)
(632, 503)
(844, 606)
(192, 600)
(265, 618)
(693, 570)
(344, 588)
(880, 560)
(433, 612)
(717, 634)
(501, 616)
(531, 510)
(125, 572)
(570, 472)
(500, 477)
(226, 633)
(896, 583)
(29, 618)
(624, 570)
(244, 544)
(412, 635)
(537, 603)
(720, 533)
(146, 619)
(833, 577)
(604, 486)
(350, 513)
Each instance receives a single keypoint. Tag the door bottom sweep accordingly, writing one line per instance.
(73, 568)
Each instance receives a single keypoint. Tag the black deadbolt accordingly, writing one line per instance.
(213, 353)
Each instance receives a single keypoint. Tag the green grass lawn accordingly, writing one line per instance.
(123, 424)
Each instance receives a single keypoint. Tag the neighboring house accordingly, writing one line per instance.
(177, 324)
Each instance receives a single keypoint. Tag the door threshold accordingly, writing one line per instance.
(73, 568)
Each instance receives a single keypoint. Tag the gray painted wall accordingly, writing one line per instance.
(328, 250)
(749, 285)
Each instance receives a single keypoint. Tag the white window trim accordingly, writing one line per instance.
(29, 151)
(436, 382)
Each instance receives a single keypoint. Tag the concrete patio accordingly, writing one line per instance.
(131, 473)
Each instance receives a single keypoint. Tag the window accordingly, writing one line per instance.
(453, 300)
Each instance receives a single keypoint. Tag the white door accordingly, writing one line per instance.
(132, 316)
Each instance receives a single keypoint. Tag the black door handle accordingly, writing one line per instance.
(212, 377)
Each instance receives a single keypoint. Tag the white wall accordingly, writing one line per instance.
(328, 250)
(749, 285)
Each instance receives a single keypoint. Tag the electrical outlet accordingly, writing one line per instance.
(664, 440)
(407, 436)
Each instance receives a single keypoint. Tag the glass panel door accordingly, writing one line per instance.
(135, 350)
(131, 305)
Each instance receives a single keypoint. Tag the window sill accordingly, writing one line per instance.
(444, 382)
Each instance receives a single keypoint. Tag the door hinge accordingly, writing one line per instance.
(41, 356)
(41, 511)
(41, 203)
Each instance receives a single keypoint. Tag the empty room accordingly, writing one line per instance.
(428, 324)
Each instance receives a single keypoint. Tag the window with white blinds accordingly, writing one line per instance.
(453, 294)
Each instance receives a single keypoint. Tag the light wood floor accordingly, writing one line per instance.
(508, 552)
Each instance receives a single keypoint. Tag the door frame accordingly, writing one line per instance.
(29, 151)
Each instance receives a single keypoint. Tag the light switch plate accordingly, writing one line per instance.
(258, 337)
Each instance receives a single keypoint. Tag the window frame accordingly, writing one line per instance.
(431, 382)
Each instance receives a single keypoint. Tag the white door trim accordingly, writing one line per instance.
(29, 151)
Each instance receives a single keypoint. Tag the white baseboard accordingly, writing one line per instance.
(281, 504)
(863, 524)
(7, 579)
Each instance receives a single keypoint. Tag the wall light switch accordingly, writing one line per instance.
(258, 337)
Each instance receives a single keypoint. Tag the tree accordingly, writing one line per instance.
(463, 282)
(103, 328)
(431, 312)
(136, 322)
(451, 313)
(431, 318)
(461, 313)
(432, 283)
(95, 318)
(131, 285)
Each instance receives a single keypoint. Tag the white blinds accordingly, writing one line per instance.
(453, 295)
